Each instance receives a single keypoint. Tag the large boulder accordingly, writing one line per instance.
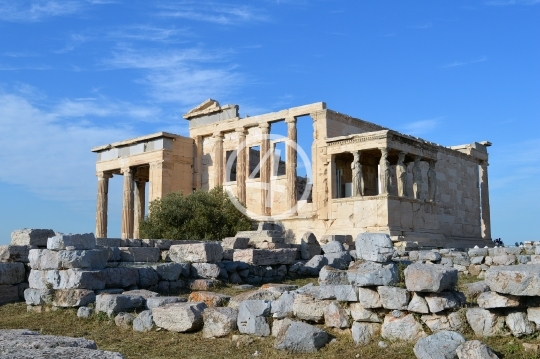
(441, 345)
(301, 338)
(203, 252)
(252, 317)
(219, 322)
(179, 317)
(72, 241)
(376, 247)
(520, 280)
(31, 237)
(432, 278)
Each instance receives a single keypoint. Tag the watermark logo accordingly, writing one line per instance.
(275, 188)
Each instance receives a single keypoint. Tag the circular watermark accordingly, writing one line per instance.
(274, 187)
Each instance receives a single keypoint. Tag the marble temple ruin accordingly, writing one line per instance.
(361, 177)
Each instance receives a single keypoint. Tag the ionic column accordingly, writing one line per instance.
(218, 159)
(102, 204)
(484, 196)
(432, 181)
(241, 170)
(401, 175)
(290, 165)
(357, 178)
(140, 188)
(417, 178)
(265, 169)
(384, 175)
(198, 152)
(127, 204)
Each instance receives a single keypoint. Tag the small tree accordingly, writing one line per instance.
(199, 215)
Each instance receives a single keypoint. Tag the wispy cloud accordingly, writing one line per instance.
(146, 33)
(427, 25)
(512, 2)
(37, 10)
(219, 13)
(463, 63)
(421, 127)
(510, 170)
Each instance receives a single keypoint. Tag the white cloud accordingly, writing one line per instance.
(420, 127)
(462, 63)
(512, 2)
(219, 13)
(37, 10)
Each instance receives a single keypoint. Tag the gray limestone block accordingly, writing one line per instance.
(447, 262)
(533, 315)
(361, 314)
(169, 271)
(108, 242)
(84, 312)
(478, 260)
(148, 277)
(485, 323)
(72, 241)
(333, 247)
(430, 278)
(43, 259)
(9, 293)
(31, 237)
(26, 339)
(475, 349)
(219, 322)
(141, 292)
(418, 304)
(375, 274)
(12, 273)
(439, 345)
(437, 302)
(462, 259)
(346, 293)
(504, 260)
(204, 252)
(34, 296)
(260, 294)
(523, 259)
(12, 253)
(403, 328)
(124, 320)
(283, 306)
(280, 326)
(338, 260)
(114, 254)
(520, 280)
(301, 338)
(394, 297)
(139, 254)
(437, 323)
(59, 353)
(369, 298)
(265, 257)
(92, 259)
(500, 251)
(66, 279)
(376, 247)
(116, 303)
(332, 276)
(490, 300)
(121, 277)
(131, 242)
(429, 256)
(335, 316)
(309, 246)
(180, 317)
(313, 266)
(69, 298)
(322, 292)
(363, 333)
(478, 252)
(147, 243)
(235, 243)
(306, 307)
(205, 270)
(155, 302)
(144, 321)
(519, 325)
(163, 244)
(474, 289)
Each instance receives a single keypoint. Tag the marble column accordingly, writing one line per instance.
(384, 167)
(102, 204)
(357, 177)
(265, 168)
(290, 165)
(127, 204)
(241, 171)
(484, 197)
(197, 163)
(432, 181)
(140, 189)
(218, 159)
(417, 178)
(401, 175)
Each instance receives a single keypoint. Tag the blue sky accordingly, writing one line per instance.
(75, 74)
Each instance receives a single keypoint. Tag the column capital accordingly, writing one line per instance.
(265, 126)
(127, 170)
(242, 131)
(217, 134)
(291, 119)
(103, 175)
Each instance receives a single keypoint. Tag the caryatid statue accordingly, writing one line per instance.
(357, 179)
(432, 181)
(401, 175)
(384, 165)
(417, 178)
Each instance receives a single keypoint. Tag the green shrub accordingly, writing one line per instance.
(199, 215)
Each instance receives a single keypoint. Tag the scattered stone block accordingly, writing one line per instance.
(519, 325)
(259, 294)
(34, 296)
(301, 338)
(485, 323)
(283, 306)
(71, 241)
(403, 328)
(144, 321)
(341, 238)
(73, 297)
(478, 252)
(179, 317)
(375, 247)
(439, 345)
(203, 252)
(280, 326)
(265, 257)
(307, 308)
(203, 284)
(475, 349)
(12, 273)
(279, 288)
(205, 270)
(43, 259)
(121, 277)
(313, 266)
(321, 292)
(124, 320)
(361, 314)
(117, 303)
(148, 277)
(84, 312)
(31, 237)
(339, 260)
(363, 333)
(332, 276)
(374, 274)
(139, 254)
(336, 316)
(333, 247)
(219, 322)
(67, 279)
(21, 339)
(155, 302)
(437, 302)
(495, 300)
(369, 298)
(251, 317)
(520, 280)
(346, 293)
(472, 290)
(393, 297)
(235, 243)
(430, 278)
(209, 298)
(309, 246)
(418, 304)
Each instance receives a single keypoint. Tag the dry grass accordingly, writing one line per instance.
(164, 344)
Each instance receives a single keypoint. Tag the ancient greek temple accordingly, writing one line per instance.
(336, 175)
